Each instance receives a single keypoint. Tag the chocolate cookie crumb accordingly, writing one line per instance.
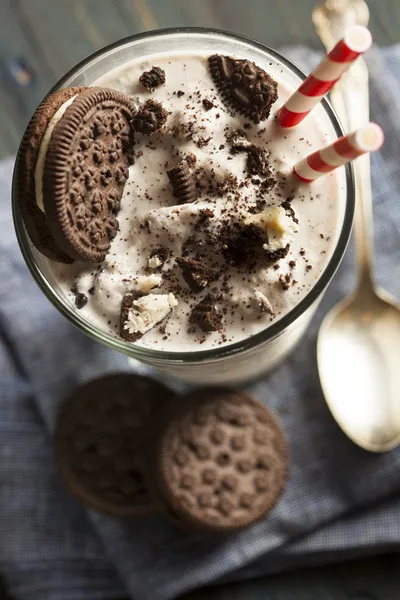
(267, 185)
(191, 159)
(257, 161)
(196, 275)
(285, 280)
(150, 118)
(205, 215)
(207, 315)
(239, 141)
(80, 301)
(202, 141)
(289, 210)
(208, 105)
(161, 252)
(180, 93)
(152, 79)
(183, 183)
(275, 255)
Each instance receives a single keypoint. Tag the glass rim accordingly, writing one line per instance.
(270, 332)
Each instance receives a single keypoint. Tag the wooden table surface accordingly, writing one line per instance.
(50, 36)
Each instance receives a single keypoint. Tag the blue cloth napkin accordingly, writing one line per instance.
(340, 501)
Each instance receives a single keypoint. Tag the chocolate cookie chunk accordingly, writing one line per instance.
(183, 183)
(242, 243)
(140, 313)
(85, 172)
(275, 255)
(151, 117)
(257, 161)
(152, 79)
(207, 315)
(127, 303)
(208, 105)
(239, 141)
(243, 86)
(221, 461)
(99, 442)
(32, 213)
(196, 274)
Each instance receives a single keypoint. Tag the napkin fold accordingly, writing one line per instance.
(340, 501)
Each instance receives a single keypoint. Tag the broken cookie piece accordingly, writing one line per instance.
(208, 105)
(152, 79)
(150, 118)
(243, 86)
(196, 274)
(241, 243)
(257, 161)
(207, 315)
(157, 258)
(239, 141)
(140, 314)
(183, 183)
(278, 226)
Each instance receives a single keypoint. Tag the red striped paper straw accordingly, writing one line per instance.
(366, 139)
(357, 40)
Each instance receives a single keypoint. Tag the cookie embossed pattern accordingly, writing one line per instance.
(168, 189)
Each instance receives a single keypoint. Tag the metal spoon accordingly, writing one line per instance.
(359, 340)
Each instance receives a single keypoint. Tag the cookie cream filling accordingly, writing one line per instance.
(44, 146)
(148, 311)
(279, 227)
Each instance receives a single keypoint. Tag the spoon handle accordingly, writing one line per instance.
(350, 98)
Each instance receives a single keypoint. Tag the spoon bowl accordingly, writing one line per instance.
(359, 368)
(359, 341)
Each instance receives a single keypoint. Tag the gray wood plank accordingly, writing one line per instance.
(59, 34)
(273, 24)
(289, 21)
(138, 17)
(17, 102)
(199, 14)
(142, 13)
(100, 21)
(385, 21)
(167, 14)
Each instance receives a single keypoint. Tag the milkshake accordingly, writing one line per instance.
(218, 249)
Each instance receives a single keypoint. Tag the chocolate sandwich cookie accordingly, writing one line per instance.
(81, 157)
(243, 86)
(99, 442)
(33, 216)
(221, 461)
